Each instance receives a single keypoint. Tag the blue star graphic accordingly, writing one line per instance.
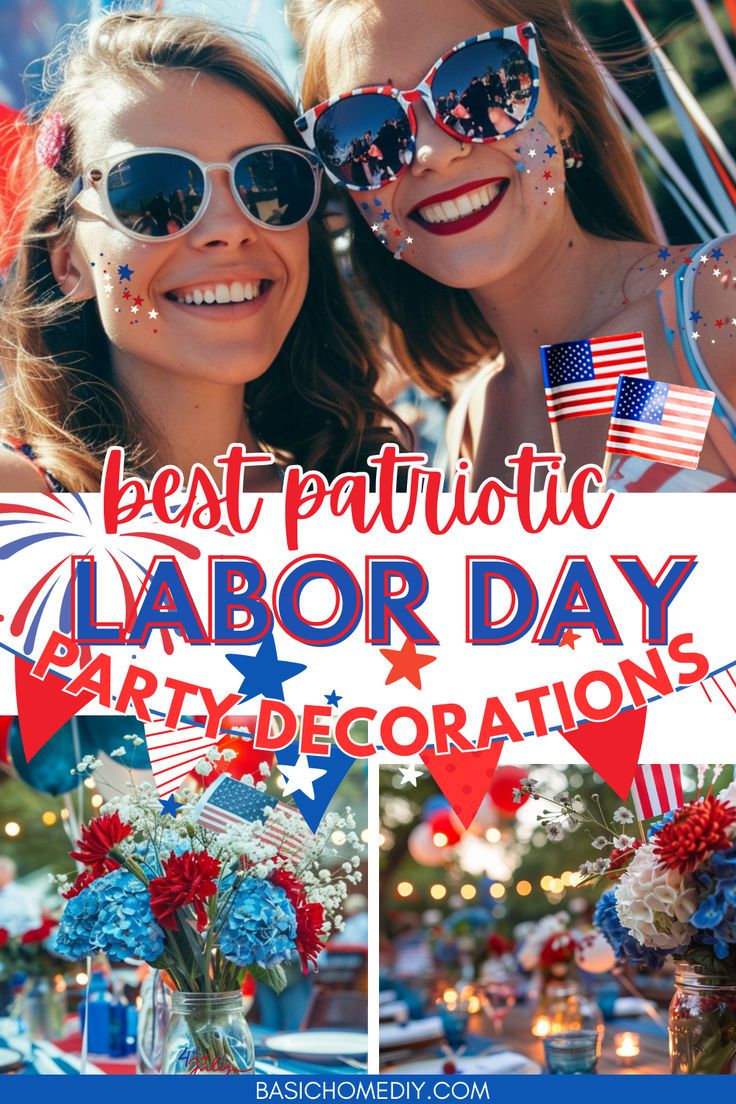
(695, 316)
(124, 272)
(264, 672)
(385, 214)
(664, 254)
(170, 805)
(717, 254)
(333, 699)
(551, 151)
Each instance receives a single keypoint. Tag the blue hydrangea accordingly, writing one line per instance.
(126, 925)
(715, 917)
(75, 936)
(625, 946)
(113, 915)
(659, 824)
(259, 926)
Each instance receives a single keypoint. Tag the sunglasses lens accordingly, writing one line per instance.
(276, 186)
(364, 140)
(484, 90)
(155, 194)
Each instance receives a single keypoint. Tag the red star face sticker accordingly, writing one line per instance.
(126, 294)
(548, 175)
(720, 322)
(397, 233)
(406, 664)
(568, 639)
(138, 301)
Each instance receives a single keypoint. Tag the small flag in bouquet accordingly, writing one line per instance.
(580, 377)
(659, 421)
(228, 802)
(656, 790)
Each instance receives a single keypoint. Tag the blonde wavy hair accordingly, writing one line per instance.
(436, 331)
(316, 404)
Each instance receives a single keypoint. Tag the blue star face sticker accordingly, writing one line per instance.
(664, 254)
(125, 273)
(551, 151)
(170, 805)
(264, 672)
(717, 254)
(695, 316)
(385, 214)
(333, 699)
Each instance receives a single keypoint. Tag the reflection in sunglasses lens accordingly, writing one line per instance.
(364, 140)
(155, 194)
(275, 186)
(485, 89)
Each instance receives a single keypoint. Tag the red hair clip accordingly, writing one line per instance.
(52, 136)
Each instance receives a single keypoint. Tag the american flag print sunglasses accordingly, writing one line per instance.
(484, 89)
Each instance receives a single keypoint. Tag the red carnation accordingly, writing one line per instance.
(699, 829)
(98, 839)
(621, 856)
(188, 880)
(4, 936)
(37, 935)
(310, 917)
(560, 947)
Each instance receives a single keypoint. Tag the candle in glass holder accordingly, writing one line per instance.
(541, 1026)
(627, 1048)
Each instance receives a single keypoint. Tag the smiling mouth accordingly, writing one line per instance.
(219, 294)
(459, 212)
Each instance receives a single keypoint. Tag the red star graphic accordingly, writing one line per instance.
(126, 294)
(138, 301)
(397, 233)
(568, 639)
(548, 175)
(406, 664)
(720, 322)
(688, 260)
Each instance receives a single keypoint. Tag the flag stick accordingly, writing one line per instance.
(558, 448)
(606, 471)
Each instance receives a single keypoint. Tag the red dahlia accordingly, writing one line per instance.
(98, 839)
(310, 917)
(698, 830)
(188, 879)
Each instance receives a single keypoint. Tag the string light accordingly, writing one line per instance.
(338, 838)
(468, 892)
(81, 979)
(90, 783)
(405, 889)
(49, 818)
(523, 888)
(497, 891)
(12, 829)
(493, 835)
(438, 891)
(97, 800)
(365, 835)
(439, 839)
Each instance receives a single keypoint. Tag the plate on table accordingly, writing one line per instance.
(10, 1060)
(319, 1045)
(393, 1036)
(490, 1065)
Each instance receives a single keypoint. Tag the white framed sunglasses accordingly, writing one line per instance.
(156, 193)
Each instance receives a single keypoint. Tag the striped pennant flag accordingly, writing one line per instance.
(580, 377)
(659, 421)
(173, 753)
(656, 790)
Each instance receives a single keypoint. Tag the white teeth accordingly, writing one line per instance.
(221, 293)
(452, 210)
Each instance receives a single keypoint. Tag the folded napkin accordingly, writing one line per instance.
(415, 1031)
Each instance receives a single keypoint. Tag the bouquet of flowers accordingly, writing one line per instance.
(546, 945)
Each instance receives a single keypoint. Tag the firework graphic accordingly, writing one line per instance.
(76, 528)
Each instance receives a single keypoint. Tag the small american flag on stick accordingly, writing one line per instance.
(659, 421)
(657, 789)
(580, 377)
(228, 802)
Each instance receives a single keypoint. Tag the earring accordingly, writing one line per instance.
(573, 159)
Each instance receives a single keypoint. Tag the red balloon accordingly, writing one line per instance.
(501, 790)
(5, 723)
(247, 760)
(444, 823)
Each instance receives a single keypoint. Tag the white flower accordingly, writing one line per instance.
(623, 843)
(656, 903)
(729, 794)
(203, 767)
(586, 869)
(600, 866)
(623, 815)
(118, 752)
(264, 770)
(600, 842)
(228, 755)
(136, 741)
(554, 831)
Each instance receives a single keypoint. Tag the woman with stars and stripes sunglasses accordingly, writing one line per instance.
(479, 146)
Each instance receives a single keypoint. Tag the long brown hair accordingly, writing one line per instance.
(437, 330)
(315, 405)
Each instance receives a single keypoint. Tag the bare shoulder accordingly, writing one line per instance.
(18, 475)
(713, 315)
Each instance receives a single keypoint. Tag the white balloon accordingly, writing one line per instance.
(422, 848)
(594, 954)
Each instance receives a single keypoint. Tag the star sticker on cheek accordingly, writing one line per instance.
(397, 232)
(375, 227)
(138, 301)
(124, 272)
(153, 314)
(126, 294)
(550, 191)
(134, 310)
(547, 175)
(551, 151)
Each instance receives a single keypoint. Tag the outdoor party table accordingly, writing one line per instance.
(50, 1058)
